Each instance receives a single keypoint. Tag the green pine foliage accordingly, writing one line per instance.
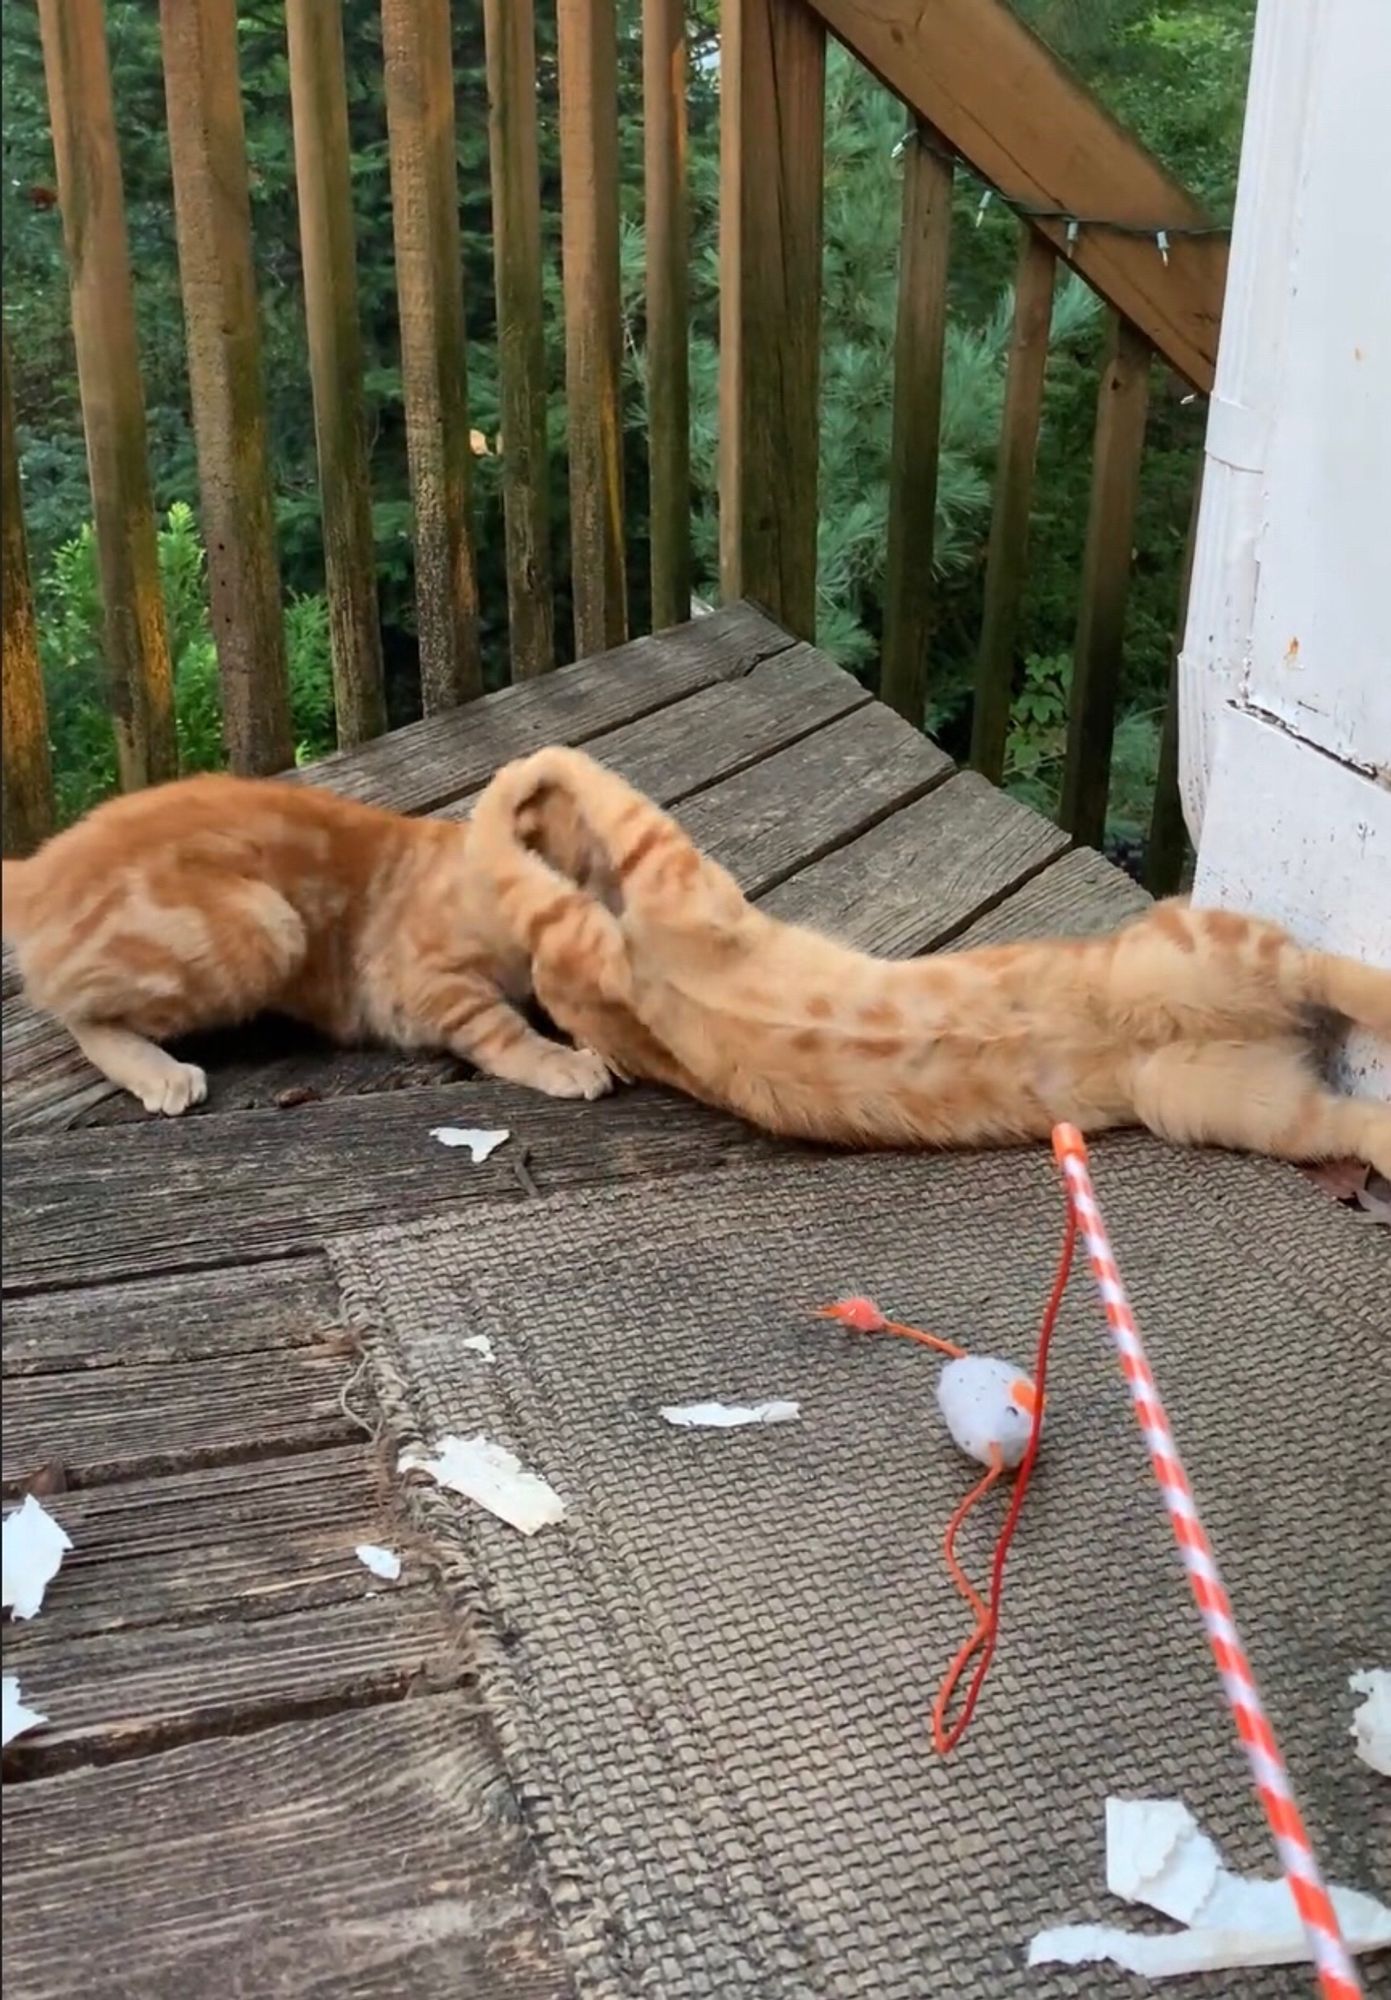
(1173, 69)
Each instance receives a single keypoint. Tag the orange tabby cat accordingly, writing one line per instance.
(201, 903)
(1195, 1024)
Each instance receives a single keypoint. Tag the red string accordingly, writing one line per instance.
(986, 1631)
(865, 1317)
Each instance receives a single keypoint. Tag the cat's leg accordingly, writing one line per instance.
(1256, 1097)
(466, 1014)
(1216, 974)
(160, 1081)
(1359, 993)
(216, 950)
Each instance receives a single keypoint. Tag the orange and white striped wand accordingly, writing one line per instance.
(1337, 1979)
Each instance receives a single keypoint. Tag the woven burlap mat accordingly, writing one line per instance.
(710, 1683)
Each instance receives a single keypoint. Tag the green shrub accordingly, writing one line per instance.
(68, 606)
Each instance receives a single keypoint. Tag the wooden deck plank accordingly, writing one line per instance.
(117, 1694)
(278, 1065)
(722, 730)
(1079, 896)
(715, 734)
(918, 876)
(225, 1542)
(148, 1416)
(368, 1853)
(173, 1319)
(82, 1207)
(428, 763)
(788, 811)
(47, 1080)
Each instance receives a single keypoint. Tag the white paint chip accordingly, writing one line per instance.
(1159, 1857)
(479, 1343)
(730, 1416)
(384, 1563)
(17, 1718)
(481, 1145)
(491, 1476)
(1371, 1722)
(34, 1547)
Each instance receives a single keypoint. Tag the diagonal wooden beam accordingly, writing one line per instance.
(1021, 119)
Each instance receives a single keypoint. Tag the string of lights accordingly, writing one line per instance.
(1162, 235)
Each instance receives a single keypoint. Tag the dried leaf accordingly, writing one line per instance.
(1343, 1179)
(47, 1479)
(1374, 1199)
(298, 1093)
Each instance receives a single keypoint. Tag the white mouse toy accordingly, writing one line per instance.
(988, 1407)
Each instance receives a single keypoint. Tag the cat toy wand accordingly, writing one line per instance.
(1336, 1977)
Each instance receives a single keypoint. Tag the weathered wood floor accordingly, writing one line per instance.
(266, 1774)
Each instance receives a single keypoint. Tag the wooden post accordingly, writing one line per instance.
(212, 217)
(319, 104)
(772, 125)
(1167, 843)
(919, 344)
(108, 374)
(1119, 443)
(1005, 564)
(419, 61)
(28, 771)
(593, 318)
(510, 30)
(668, 252)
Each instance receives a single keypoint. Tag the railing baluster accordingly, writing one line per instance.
(772, 126)
(319, 106)
(113, 402)
(1033, 129)
(28, 770)
(212, 217)
(1167, 842)
(668, 290)
(1005, 565)
(925, 247)
(510, 31)
(1118, 446)
(593, 318)
(419, 66)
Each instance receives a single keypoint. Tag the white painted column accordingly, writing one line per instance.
(1285, 672)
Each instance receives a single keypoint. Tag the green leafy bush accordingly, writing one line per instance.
(68, 607)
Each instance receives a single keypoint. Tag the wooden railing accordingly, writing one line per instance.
(981, 91)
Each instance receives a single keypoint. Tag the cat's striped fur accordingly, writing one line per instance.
(1196, 1024)
(201, 903)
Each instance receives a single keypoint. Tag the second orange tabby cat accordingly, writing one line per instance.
(1193, 1023)
(201, 903)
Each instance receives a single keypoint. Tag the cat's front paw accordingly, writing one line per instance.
(175, 1089)
(575, 1073)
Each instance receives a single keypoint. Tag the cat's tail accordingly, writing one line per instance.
(1358, 992)
(16, 899)
(659, 873)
